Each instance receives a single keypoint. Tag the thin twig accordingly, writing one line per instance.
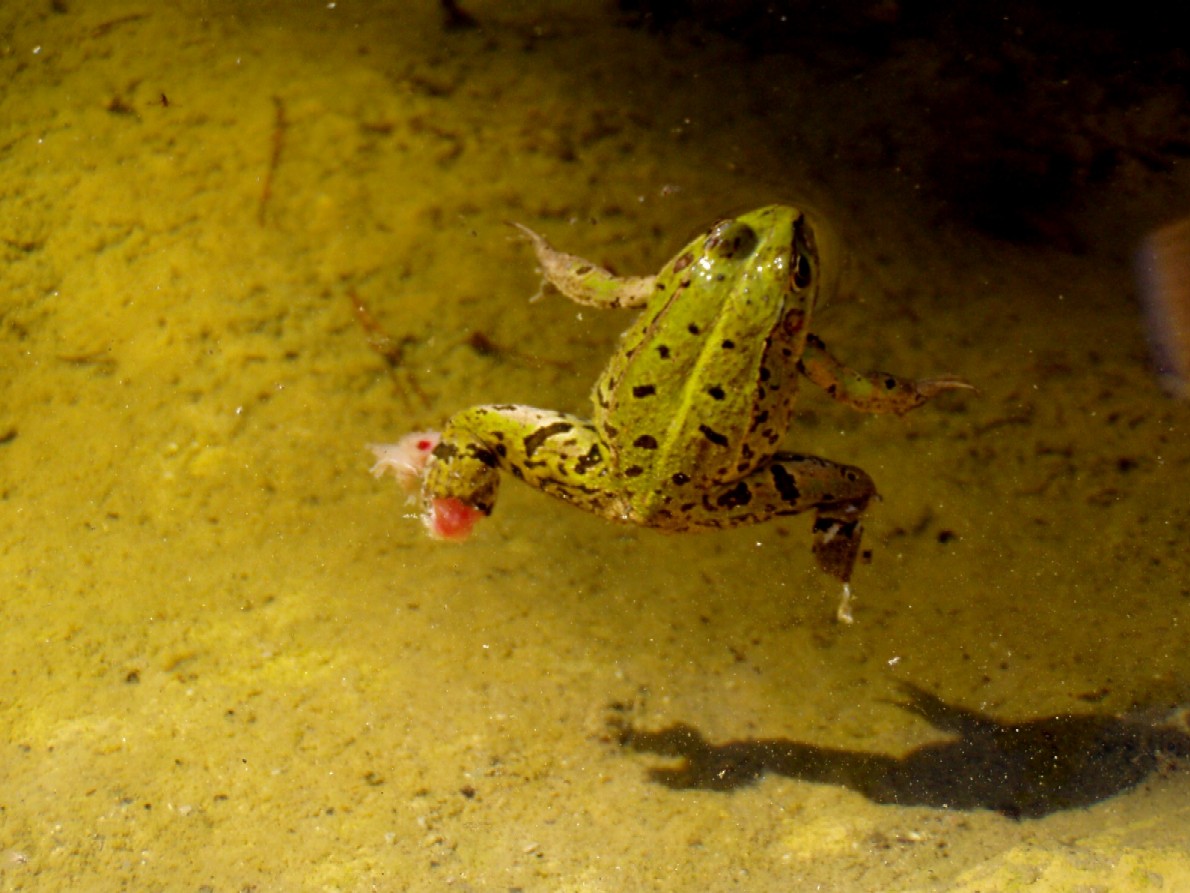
(392, 349)
(279, 127)
(379, 340)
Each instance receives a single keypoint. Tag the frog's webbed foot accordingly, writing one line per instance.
(542, 249)
(838, 533)
(585, 282)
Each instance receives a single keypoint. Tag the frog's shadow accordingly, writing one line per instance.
(1023, 769)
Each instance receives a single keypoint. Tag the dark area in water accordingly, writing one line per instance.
(1029, 109)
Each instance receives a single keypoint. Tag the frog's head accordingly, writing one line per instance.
(790, 249)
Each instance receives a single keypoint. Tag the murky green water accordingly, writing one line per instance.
(231, 658)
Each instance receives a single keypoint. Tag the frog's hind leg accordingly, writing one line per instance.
(793, 483)
(558, 453)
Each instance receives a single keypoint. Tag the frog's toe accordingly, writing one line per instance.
(929, 387)
(540, 246)
(525, 231)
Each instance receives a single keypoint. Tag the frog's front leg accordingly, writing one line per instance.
(587, 283)
(875, 392)
(558, 453)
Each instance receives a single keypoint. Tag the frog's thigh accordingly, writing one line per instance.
(553, 451)
(793, 483)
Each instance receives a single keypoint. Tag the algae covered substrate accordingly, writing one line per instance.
(241, 242)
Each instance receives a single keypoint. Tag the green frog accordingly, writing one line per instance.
(691, 410)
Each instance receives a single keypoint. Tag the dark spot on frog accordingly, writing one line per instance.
(716, 392)
(444, 451)
(680, 478)
(727, 344)
(814, 341)
(947, 536)
(501, 451)
(643, 390)
(693, 329)
(611, 430)
(765, 374)
(712, 435)
(589, 461)
(785, 484)
(890, 383)
(645, 442)
(683, 262)
(534, 441)
(730, 238)
(516, 472)
(663, 351)
(487, 457)
(634, 471)
(735, 497)
(590, 491)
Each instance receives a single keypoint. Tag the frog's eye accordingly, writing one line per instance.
(731, 240)
(803, 271)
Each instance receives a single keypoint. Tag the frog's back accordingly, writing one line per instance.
(702, 391)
